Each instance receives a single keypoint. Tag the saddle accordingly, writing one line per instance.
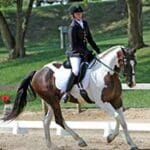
(86, 60)
(82, 72)
(83, 68)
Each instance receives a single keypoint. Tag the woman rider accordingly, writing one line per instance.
(79, 35)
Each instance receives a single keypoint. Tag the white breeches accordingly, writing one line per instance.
(75, 64)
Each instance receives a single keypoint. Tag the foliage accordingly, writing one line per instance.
(6, 3)
(15, 42)
(146, 2)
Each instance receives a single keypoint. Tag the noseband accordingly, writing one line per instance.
(126, 62)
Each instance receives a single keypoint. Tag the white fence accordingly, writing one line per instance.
(16, 127)
(139, 86)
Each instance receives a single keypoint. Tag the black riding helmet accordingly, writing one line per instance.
(75, 8)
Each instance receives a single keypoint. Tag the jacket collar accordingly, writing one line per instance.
(74, 22)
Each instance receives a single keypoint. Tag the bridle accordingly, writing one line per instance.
(126, 62)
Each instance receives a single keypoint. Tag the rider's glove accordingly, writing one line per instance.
(97, 50)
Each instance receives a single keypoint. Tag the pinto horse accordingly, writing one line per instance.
(103, 88)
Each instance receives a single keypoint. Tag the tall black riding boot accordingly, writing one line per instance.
(70, 84)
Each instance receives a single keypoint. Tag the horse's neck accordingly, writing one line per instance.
(109, 62)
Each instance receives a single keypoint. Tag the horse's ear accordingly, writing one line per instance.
(129, 50)
(123, 50)
(133, 50)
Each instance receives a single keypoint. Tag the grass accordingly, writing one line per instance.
(136, 99)
(13, 71)
(42, 44)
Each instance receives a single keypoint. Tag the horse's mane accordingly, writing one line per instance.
(108, 51)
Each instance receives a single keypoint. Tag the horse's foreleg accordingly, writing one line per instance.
(113, 135)
(112, 112)
(124, 126)
(46, 123)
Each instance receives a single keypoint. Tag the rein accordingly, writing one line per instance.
(106, 66)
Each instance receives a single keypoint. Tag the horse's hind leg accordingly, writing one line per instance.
(81, 142)
(46, 123)
(124, 126)
(60, 121)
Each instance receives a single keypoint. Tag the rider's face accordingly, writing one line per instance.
(78, 15)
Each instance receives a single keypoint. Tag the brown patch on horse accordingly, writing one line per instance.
(73, 100)
(120, 56)
(44, 84)
(112, 92)
(57, 64)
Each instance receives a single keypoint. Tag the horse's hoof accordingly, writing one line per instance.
(82, 143)
(134, 148)
(109, 138)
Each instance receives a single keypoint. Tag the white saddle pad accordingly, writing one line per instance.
(62, 76)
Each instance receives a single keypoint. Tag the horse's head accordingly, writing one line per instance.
(128, 65)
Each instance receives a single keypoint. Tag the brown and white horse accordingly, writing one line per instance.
(103, 88)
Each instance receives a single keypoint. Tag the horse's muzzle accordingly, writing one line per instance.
(131, 85)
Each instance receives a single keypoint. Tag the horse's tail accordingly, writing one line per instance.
(21, 98)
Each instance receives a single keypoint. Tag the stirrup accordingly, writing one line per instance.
(65, 97)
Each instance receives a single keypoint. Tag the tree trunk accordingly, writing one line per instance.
(19, 20)
(25, 25)
(6, 35)
(135, 30)
(16, 45)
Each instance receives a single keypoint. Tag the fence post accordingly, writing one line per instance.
(63, 36)
(79, 108)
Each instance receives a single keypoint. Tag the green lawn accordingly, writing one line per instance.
(42, 44)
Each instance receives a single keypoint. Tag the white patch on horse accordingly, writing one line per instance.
(133, 72)
(62, 76)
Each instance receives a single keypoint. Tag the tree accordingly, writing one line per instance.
(135, 27)
(6, 34)
(15, 44)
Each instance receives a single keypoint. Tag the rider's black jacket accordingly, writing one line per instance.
(78, 39)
